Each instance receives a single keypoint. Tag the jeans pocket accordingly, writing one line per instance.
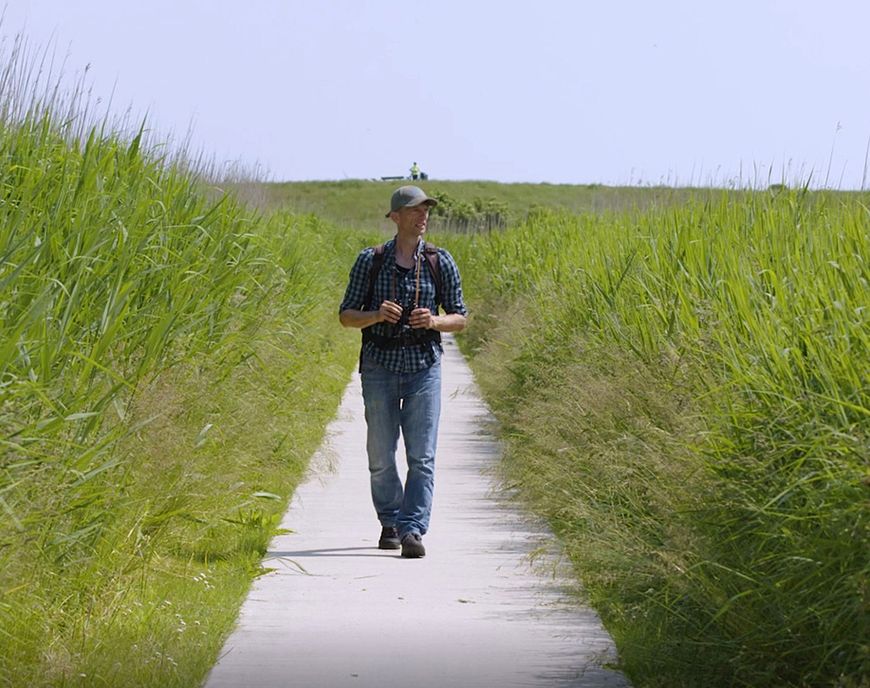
(368, 364)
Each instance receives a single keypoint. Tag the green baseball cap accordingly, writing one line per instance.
(408, 197)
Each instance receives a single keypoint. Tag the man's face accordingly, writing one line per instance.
(412, 221)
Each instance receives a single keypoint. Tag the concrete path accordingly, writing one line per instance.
(487, 606)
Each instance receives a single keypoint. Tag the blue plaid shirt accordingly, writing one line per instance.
(403, 359)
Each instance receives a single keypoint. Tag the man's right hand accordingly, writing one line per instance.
(390, 311)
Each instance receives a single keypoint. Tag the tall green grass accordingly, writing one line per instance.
(167, 365)
(685, 396)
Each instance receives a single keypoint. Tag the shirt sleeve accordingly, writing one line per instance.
(358, 282)
(451, 284)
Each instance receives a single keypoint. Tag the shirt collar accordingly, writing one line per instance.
(390, 248)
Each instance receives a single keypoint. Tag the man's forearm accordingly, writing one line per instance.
(359, 319)
(450, 322)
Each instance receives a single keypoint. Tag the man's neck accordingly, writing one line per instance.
(406, 246)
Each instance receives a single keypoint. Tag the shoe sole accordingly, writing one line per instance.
(386, 544)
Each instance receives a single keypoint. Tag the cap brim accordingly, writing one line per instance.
(428, 201)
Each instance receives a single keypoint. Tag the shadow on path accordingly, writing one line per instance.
(331, 552)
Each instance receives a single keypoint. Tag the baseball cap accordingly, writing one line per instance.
(408, 197)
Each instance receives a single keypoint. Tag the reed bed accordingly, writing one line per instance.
(167, 365)
(684, 394)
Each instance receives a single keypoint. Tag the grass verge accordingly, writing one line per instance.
(212, 451)
(681, 396)
(168, 361)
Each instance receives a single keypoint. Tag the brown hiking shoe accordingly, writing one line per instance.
(412, 546)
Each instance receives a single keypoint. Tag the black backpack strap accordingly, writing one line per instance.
(374, 271)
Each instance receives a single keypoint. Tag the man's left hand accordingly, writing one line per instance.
(421, 318)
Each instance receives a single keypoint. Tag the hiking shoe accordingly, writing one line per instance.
(412, 546)
(389, 538)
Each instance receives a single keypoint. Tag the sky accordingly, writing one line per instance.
(622, 92)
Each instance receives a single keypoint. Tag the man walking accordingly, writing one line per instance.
(393, 295)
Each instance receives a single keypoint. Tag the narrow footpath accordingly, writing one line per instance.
(487, 606)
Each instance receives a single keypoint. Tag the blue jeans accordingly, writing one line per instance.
(410, 402)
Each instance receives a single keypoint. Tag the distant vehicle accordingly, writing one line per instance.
(423, 176)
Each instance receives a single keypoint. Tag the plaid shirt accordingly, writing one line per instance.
(403, 359)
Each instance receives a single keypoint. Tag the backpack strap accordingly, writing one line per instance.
(430, 252)
(374, 271)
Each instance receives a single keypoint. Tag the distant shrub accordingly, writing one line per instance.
(480, 214)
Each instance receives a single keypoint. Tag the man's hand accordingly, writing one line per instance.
(390, 312)
(422, 318)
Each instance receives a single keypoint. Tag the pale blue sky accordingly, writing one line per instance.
(618, 92)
